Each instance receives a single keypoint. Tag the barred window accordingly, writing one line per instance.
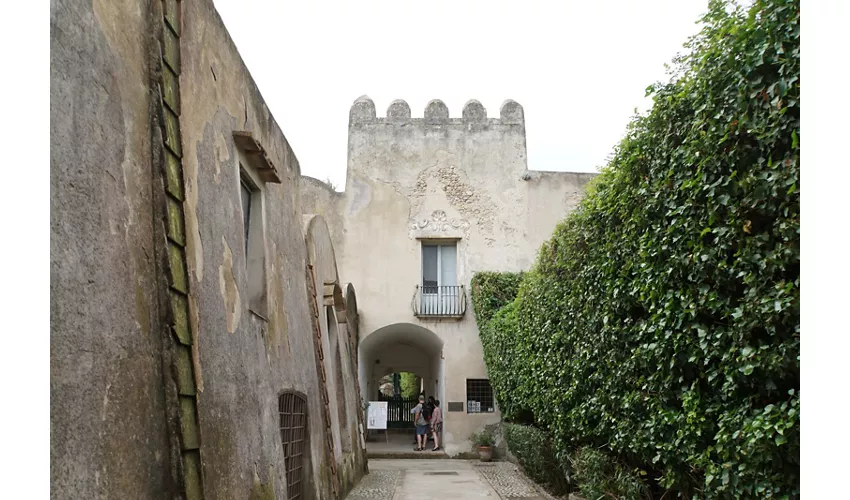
(293, 434)
(479, 396)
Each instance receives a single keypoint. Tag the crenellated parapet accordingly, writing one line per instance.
(436, 113)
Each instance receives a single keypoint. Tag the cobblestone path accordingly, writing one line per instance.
(444, 480)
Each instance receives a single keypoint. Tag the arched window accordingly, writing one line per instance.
(293, 434)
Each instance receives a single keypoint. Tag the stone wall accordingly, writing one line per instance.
(438, 177)
(105, 345)
(171, 337)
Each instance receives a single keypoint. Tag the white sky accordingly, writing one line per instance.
(579, 68)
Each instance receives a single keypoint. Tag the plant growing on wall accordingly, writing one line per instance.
(661, 320)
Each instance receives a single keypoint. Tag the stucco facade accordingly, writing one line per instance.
(183, 310)
(462, 182)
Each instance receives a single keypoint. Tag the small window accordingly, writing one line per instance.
(479, 396)
(253, 227)
(247, 192)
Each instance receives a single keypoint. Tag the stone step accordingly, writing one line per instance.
(410, 455)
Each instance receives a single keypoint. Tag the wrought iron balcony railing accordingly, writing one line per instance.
(439, 301)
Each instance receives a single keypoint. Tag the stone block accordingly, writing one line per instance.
(172, 133)
(180, 310)
(176, 230)
(174, 176)
(171, 49)
(170, 90)
(177, 268)
(172, 15)
(183, 371)
(192, 475)
(188, 424)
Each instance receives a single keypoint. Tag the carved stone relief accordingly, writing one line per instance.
(439, 222)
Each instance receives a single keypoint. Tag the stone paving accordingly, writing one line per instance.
(444, 479)
(509, 481)
(380, 484)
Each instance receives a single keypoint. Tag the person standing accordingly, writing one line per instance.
(436, 424)
(427, 409)
(421, 424)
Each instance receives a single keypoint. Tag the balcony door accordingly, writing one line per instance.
(440, 291)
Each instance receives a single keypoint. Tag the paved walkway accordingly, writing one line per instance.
(442, 480)
(398, 445)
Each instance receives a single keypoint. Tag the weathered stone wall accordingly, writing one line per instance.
(165, 377)
(246, 360)
(324, 201)
(438, 177)
(335, 354)
(108, 434)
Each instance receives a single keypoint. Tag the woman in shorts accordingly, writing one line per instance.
(436, 425)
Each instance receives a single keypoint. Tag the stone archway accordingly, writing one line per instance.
(401, 347)
(334, 352)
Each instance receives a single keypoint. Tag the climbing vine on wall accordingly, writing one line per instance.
(661, 320)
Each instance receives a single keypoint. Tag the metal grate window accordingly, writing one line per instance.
(293, 433)
(479, 396)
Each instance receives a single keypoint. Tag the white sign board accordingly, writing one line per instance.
(377, 415)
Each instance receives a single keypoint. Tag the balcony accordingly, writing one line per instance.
(439, 301)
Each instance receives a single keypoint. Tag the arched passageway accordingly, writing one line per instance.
(401, 347)
(397, 348)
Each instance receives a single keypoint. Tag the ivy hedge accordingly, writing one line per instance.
(534, 452)
(661, 321)
(491, 291)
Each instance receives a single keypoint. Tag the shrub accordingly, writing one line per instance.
(491, 291)
(661, 320)
(504, 364)
(492, 299)
(600, 477)
(483, 438)
(533, 449)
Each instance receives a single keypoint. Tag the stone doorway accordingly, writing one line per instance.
(398, 348)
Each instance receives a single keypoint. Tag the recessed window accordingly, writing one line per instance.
(479, 396)
(247, 193)
(254, 238)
